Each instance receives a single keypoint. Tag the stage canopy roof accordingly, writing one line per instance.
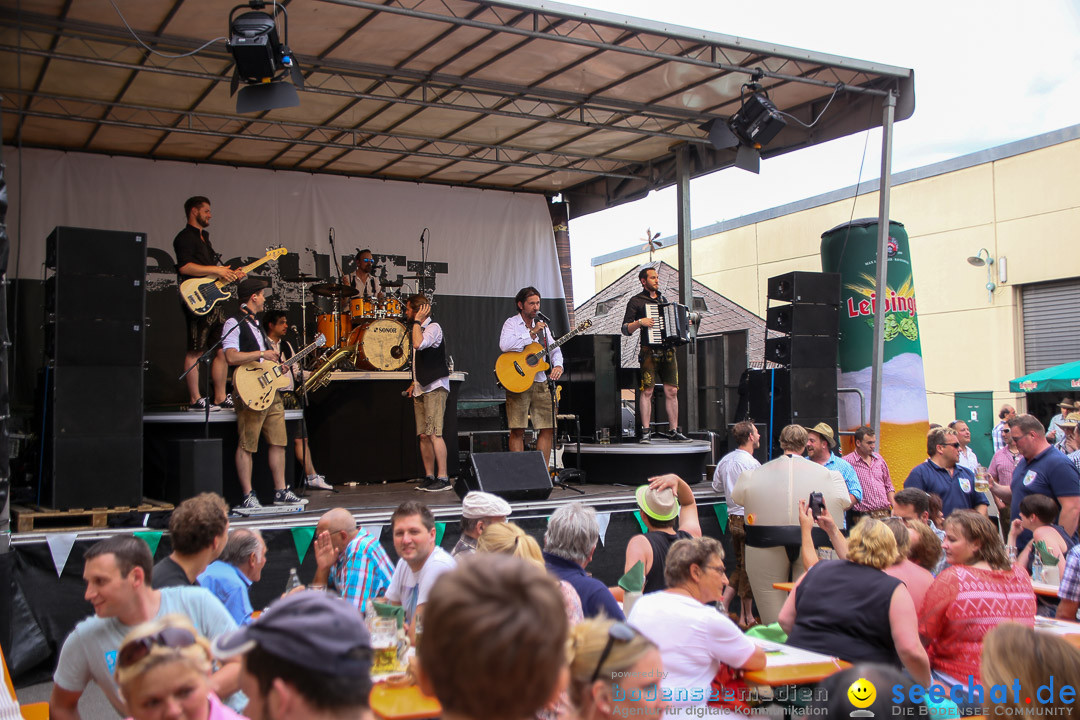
(526, 96)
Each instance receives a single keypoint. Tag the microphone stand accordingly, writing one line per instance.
(557, 481)
(205, 359)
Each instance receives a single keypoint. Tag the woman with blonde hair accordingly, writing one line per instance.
(615, 671)
(163, 670)
(852, 609)
(1014, 654)
(978, 591)
(508, 538)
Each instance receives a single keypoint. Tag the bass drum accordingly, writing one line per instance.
(380, 345)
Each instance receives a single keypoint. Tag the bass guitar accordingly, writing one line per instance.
(202, 294)
(257, 382)
(516, 370)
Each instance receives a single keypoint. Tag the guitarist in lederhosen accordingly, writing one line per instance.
(195, 258)
(517, 333)
(250, 344)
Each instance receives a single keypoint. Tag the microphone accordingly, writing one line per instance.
(544, 318)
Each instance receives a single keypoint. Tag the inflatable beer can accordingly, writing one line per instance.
(851, 250)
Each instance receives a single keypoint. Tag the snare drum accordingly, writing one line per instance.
(325, 325)
(381, 344)
(392, 307)
(362, 307)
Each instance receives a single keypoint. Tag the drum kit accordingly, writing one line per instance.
(371, 331)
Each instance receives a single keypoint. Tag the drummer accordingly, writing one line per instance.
(363, 279)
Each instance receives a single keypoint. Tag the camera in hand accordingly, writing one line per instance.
(817, 504)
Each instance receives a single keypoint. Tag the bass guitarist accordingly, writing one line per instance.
(250, 344)
(518, 332)
(195, 257)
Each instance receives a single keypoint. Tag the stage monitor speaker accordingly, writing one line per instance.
(83, 251)
(510, 475)
(805, 287)
(590, 382)
(802, 351)
(194, 466)
(801, 319)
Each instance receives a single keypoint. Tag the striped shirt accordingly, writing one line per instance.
(362, 571)
(875, 481)
(996, 436)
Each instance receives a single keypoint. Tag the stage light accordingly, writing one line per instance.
(753, 127)
(262, 60)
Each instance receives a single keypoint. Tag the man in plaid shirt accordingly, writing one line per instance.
(873, 473)
(1006, 412)
(349, 561)
(1069, 588)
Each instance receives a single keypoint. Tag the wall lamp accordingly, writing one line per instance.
(983, 259)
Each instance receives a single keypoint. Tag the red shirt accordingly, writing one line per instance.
(963, 605)
(875, 481)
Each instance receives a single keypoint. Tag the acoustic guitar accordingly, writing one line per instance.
(202, 294)
(516, 370)
(257, 382)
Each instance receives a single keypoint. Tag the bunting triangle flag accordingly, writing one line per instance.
(152, 538)
(721, 515)
(301, 537)
(374, 531)
(603, 520)
(60, 545)
(440, 530)
(640, 522)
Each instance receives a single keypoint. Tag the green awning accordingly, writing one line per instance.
(1064, 377)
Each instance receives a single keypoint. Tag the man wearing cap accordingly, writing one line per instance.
(820, 441)
(1054, 433)
(941, 474)
(348, 560)
(478, 510)
(1072, 445)
(307, 657)
(664, 500)
(1067, 442)
(246, 342)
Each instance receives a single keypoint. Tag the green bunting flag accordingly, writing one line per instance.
(721, 515)
(151, 538)
(440, 530)
(637, 516)
(301, 537)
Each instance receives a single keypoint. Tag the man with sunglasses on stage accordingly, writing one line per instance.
(363, 278)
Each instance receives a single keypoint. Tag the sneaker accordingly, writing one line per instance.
(288, 497)
(439, 485)
(676, 436)
(426, 483)
(318, 482)
(201, 403)
(250, 502)
(646, 435)
(227, 403)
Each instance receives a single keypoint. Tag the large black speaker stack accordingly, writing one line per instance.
(801, 385)
(590, 383)
(95, 310)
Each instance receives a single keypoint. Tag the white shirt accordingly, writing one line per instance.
(515, 337)
(968, 459)
(232, 339)
(433, 337)
(693, 640)
(728, 470)
(368, 289)
(412, 589)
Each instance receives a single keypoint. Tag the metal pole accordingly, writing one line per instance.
(686, 277)
(882, 262)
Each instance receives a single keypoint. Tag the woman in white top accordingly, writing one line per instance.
(694, 639)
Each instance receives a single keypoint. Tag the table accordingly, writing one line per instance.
(402, 703)
(786, 586)
(1044, 589)
(1062, 628)
(787, 665)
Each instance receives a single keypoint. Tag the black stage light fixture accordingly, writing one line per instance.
(262, 60)
(753, 127)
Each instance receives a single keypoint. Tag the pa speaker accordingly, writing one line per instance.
(806, 287)
(510, 475)
(792, 394)
(82, 251)
(802, 351)
(194, 467)
(800, 319)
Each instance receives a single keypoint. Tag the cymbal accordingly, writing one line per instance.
(333, 290)
(301, 278)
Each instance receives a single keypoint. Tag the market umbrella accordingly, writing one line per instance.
(1064, 377)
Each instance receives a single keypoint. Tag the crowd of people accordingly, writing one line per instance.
(908, 591)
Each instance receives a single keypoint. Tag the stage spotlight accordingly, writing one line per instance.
(262, 60)
(753, 127)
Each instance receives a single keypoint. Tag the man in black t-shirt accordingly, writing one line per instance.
(658, 363)
(195, 257)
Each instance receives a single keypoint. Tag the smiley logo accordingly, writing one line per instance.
(862, 693)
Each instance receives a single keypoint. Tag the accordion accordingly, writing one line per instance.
(671, 324)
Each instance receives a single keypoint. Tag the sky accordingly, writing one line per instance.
(986, 73)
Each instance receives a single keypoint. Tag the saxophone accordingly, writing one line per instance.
(320, 377)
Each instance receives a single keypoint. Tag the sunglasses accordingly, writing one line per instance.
(619, 631)
(954, 445)
(136, 650)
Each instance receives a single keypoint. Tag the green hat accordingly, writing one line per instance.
(658, 504)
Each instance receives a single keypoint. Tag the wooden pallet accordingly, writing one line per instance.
(36, 518)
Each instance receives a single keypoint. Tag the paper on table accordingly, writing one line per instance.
(778, 655)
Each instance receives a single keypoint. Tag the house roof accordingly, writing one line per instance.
(720, 315)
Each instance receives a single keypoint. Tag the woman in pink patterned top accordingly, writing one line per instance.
(979, 591)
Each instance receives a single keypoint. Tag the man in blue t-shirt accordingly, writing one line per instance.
(1043, 470)
(941, 474)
